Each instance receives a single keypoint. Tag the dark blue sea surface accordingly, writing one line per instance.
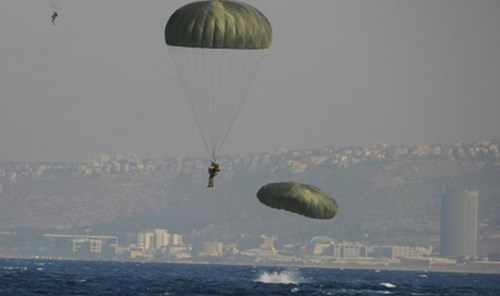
(38, 277)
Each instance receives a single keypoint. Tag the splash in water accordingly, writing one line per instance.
(388, 285)
(282, 277)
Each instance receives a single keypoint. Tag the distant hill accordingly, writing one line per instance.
(385, 193)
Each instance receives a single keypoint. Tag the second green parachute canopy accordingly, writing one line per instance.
(217, 46)
(303, 199)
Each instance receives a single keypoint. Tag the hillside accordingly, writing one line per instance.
(385, 193)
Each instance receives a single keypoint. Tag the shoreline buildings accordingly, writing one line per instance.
(459, 223)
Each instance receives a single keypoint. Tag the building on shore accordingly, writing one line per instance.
(459, 223)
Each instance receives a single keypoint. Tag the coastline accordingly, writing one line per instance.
(479, 267)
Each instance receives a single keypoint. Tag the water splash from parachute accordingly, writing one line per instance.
(285, 277)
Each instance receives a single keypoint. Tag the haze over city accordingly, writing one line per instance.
(338, 73)
(369, 137)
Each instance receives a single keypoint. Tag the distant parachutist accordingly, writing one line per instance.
(54, 16)
(213, 170)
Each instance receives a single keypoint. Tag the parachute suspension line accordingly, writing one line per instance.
(254, 64)
(54, 4)
(200, 100)
(185, 64)
(226, 86)
(209, 96)
(216, 83)
(229, 99)
(242, 65)
(213, 90)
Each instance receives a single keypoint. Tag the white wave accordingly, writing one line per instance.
(80, 280)
(388, 285)
(282, 277)
(21, 268)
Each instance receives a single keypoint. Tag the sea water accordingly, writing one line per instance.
(43, 277)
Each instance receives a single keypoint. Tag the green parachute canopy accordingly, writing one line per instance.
(306, 200)
(218, 24)
(218, 47)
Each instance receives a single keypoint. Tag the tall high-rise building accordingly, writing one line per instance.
(459, 223)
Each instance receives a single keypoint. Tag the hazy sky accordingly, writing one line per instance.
(338, 73)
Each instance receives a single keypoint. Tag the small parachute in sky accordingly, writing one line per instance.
(55, 7)
(306, 200)
(218, 47)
